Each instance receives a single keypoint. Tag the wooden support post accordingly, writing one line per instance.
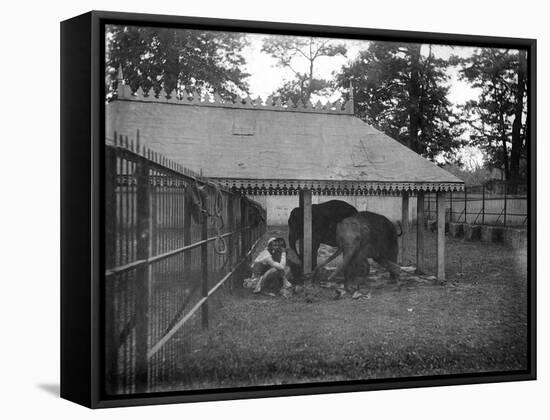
(420, 232)
(404, 227)
(450, 207)
(142, 286)
(204, 272)
(441, 236)
(243, 226)
(306, 240)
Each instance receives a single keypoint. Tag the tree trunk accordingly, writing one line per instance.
(414, 97)
(515, 153)
(310, 81)
(503, 140)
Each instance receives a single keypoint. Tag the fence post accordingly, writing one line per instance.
(505, 198)
(111, 347)
(441, 236)
(142, 273)
(465, 205)
(204, 271)
(420, 232)
(404, 227)
(483, 204)
(450, 207)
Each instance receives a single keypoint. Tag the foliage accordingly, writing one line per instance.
(403, 93)
(496, 117)
(178, 59)
(287, 50)
(471, 176)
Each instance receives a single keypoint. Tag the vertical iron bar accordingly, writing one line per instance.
(126, 219)
(230, 228)
(441, 236)
(204, 270)
(187, 256)
(142, 275)
(111, 348)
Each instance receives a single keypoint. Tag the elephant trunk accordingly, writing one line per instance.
(348, 256)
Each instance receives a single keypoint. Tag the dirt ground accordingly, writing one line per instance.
(476, 322)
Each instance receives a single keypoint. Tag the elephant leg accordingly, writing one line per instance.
(391, 266)
(314, 253)
(350, 275)
(349, 254)
(366, 267)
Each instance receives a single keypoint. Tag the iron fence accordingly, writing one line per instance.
(494, 203)
(172, 239)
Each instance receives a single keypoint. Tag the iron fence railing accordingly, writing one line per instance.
(172, 239)
(494, 203)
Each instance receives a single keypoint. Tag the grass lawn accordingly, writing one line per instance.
(477, 322)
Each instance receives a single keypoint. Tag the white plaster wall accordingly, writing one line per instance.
(279, 206)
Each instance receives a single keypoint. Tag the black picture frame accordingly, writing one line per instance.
(82, 207)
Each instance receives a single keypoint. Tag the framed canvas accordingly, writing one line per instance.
(257, 209)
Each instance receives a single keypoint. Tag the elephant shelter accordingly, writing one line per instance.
(251, 148)
(172, 239)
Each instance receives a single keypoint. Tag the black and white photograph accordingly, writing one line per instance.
(286, 209)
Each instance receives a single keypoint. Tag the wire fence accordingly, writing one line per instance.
(172, 239)
(498, 203)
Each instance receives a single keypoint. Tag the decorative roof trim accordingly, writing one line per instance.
(292, 187)
(124, 93)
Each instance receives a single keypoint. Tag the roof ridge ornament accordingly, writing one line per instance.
(192, 96)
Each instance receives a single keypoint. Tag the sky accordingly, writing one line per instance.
(266, 75)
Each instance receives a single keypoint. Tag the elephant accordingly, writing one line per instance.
(362, 236)
(325, 217)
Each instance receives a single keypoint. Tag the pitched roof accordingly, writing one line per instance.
(244, 145)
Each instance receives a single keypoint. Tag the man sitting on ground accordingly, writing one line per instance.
(270, 269)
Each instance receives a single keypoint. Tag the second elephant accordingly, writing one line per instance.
(362, 236)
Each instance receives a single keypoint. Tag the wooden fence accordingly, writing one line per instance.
(172, 239)
(495, 203)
